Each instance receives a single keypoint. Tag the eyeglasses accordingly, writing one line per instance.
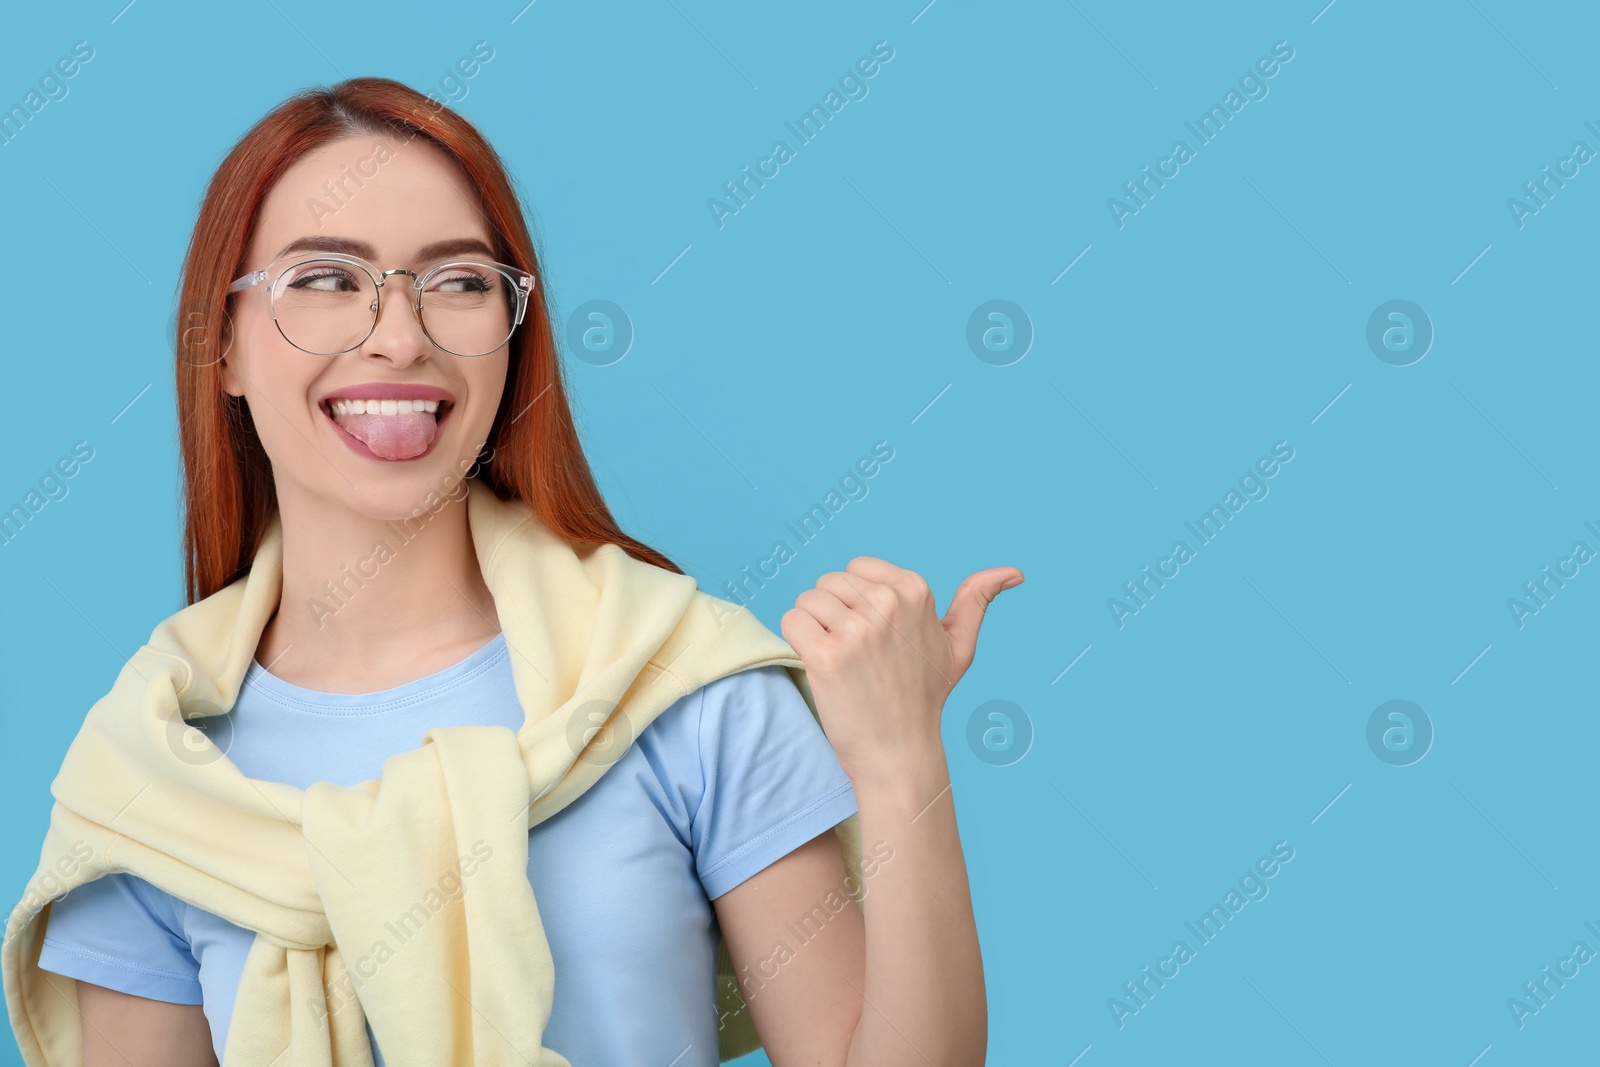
(328, 304)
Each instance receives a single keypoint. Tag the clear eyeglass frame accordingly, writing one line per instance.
(521, 281)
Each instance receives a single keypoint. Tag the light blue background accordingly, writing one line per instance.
(827, 315)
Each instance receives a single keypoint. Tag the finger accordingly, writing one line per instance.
(878, 570)
(801, 629)
(852, 590)
(968, 605)
(826, 608)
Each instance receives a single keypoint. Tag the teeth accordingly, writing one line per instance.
(383, 407)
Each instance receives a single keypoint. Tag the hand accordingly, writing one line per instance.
(880, 660)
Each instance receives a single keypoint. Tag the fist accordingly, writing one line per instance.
(880, 660)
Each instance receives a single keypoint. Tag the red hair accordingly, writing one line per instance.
(229, 497)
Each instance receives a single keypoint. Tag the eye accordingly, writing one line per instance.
(462, 280)
(328, 279)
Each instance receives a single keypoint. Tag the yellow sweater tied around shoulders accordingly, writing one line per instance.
(320, 874)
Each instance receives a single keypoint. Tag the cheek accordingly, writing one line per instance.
(276, 381)
(253, 344)
(486, 385)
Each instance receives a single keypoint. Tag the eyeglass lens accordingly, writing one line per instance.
(329, 307)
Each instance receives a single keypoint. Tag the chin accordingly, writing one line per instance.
(415, 506)
(418, 489)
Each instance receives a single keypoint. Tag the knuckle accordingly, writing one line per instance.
(855, 627)
(861, 629)
(882, 598)
(915, 587)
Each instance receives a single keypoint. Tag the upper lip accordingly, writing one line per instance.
(389, 391)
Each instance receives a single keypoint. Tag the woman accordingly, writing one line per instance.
(398, 564)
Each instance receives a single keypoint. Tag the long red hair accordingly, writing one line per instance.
(229, 496)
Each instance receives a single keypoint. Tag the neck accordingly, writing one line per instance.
(369, 604)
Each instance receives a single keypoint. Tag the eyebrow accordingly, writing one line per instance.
(351, 246)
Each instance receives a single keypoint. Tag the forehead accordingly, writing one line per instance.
(396, 196)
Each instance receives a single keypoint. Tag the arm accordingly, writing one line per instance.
(924, 985)
(799, 993)
(904, 982)
(120, 939)
(122, 1030)
(914, 954)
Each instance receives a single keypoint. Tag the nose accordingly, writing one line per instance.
(397, 336)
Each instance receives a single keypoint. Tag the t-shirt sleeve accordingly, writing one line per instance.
(121, 932)
(772, 780)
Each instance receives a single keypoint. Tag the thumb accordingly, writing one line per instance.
(971, 600)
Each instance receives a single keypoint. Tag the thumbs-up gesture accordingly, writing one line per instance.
(881, 661)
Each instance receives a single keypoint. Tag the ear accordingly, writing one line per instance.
(230, 378)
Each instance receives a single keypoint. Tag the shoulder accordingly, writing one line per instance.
(740, 720)
(771, 779)
(742, 711)
(757, 693)
(754, 688)
(762, 692)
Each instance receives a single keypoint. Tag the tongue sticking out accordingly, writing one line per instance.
(392, 436)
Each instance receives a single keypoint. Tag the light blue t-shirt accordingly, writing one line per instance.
(723, 783)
